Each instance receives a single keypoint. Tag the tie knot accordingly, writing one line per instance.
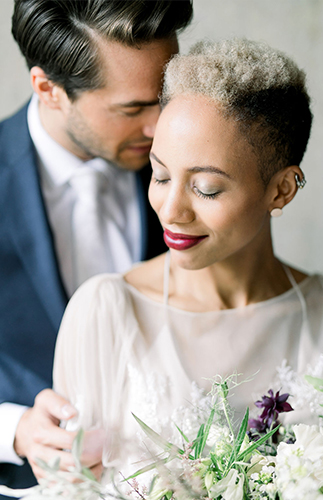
(87, 184)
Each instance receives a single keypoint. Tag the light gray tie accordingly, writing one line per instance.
(90, 250)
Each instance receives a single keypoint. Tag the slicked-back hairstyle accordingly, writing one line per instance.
(61, 36)
(258, 86)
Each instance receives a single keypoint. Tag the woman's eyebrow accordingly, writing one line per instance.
(154, 157)
(207, 169)
(210, 170)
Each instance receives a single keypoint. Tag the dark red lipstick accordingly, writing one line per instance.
(179, 241)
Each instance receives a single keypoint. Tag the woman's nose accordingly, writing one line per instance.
(176, 209)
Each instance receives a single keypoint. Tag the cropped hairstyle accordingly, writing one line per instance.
(261, 88)
(60, 36)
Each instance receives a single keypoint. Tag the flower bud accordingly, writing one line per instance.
(209, 479)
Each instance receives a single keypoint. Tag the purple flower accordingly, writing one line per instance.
(272, 407)
(257, 424)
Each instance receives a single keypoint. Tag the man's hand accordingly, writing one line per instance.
(38, 435)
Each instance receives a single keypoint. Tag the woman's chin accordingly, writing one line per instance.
(191, 261)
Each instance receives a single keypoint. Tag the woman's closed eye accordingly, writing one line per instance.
(159, 181)
(206, 192)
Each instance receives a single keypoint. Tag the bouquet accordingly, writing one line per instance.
(258, 460)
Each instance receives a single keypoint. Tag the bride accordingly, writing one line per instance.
(225, 159)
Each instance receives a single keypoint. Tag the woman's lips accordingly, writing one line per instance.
(179, 241)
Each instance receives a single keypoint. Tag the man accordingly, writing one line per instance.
(73, 200)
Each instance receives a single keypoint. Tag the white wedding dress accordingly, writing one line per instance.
(119, 351)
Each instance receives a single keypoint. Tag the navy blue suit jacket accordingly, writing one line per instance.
(32, 295)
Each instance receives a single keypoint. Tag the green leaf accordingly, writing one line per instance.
(77, 448)
(237, 444)
(198, 441)
(215, 463)
(88, 474)
(317, 383)
(182, 433)
(157, 439)
(256, 444)
(207, 430)
(149, 467)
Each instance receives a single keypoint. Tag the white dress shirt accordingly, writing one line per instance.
(56, 167)
(122, 216)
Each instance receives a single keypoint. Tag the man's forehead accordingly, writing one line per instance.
(124, 63)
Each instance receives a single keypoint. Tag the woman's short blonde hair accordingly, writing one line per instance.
(260, 87)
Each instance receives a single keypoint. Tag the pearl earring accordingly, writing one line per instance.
(276, 212)
(300, 183)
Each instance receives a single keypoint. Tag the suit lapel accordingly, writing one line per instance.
(27, 221)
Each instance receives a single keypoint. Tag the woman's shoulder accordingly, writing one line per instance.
(102, 292)
(100, 283)
(148, 277)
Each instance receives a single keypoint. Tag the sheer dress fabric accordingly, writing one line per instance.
(119, 351)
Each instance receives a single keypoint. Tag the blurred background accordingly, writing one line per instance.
(294, 26)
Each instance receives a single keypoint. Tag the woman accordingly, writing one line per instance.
(225, 158)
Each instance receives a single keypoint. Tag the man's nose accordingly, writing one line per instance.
(149, 125)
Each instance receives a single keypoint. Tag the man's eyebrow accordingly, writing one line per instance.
(137, 104)
(207, 169)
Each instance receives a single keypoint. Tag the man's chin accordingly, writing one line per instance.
(133, 163)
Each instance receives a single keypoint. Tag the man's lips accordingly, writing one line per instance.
(179, 241)
(140, 148)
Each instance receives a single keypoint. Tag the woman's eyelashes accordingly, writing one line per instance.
(159, 181)
(207, 194)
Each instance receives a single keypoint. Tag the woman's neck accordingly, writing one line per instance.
(253, 275)
(230, 284)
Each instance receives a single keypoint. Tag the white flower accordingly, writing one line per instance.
(230, 487)
(258, 462)
(219, 439)
(305, 396)
(299, 466)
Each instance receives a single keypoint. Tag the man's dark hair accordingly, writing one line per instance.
(60, 36)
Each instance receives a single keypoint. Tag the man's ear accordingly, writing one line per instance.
(48, 93)
(283, 187)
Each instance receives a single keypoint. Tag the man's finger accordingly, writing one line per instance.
(48, 454)
(55, 405)
(54, 437)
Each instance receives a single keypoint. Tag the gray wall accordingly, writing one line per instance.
(295, 26)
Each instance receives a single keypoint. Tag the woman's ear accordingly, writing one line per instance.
(283, 187)
(48, 93)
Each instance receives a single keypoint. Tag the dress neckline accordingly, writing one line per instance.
(257, 305)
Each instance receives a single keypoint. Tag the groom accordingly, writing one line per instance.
(73, 199)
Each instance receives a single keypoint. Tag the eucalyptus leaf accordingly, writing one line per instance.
(149, 467)
(88, 474)
(317, 383)
(157, 439)
(77, 447)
